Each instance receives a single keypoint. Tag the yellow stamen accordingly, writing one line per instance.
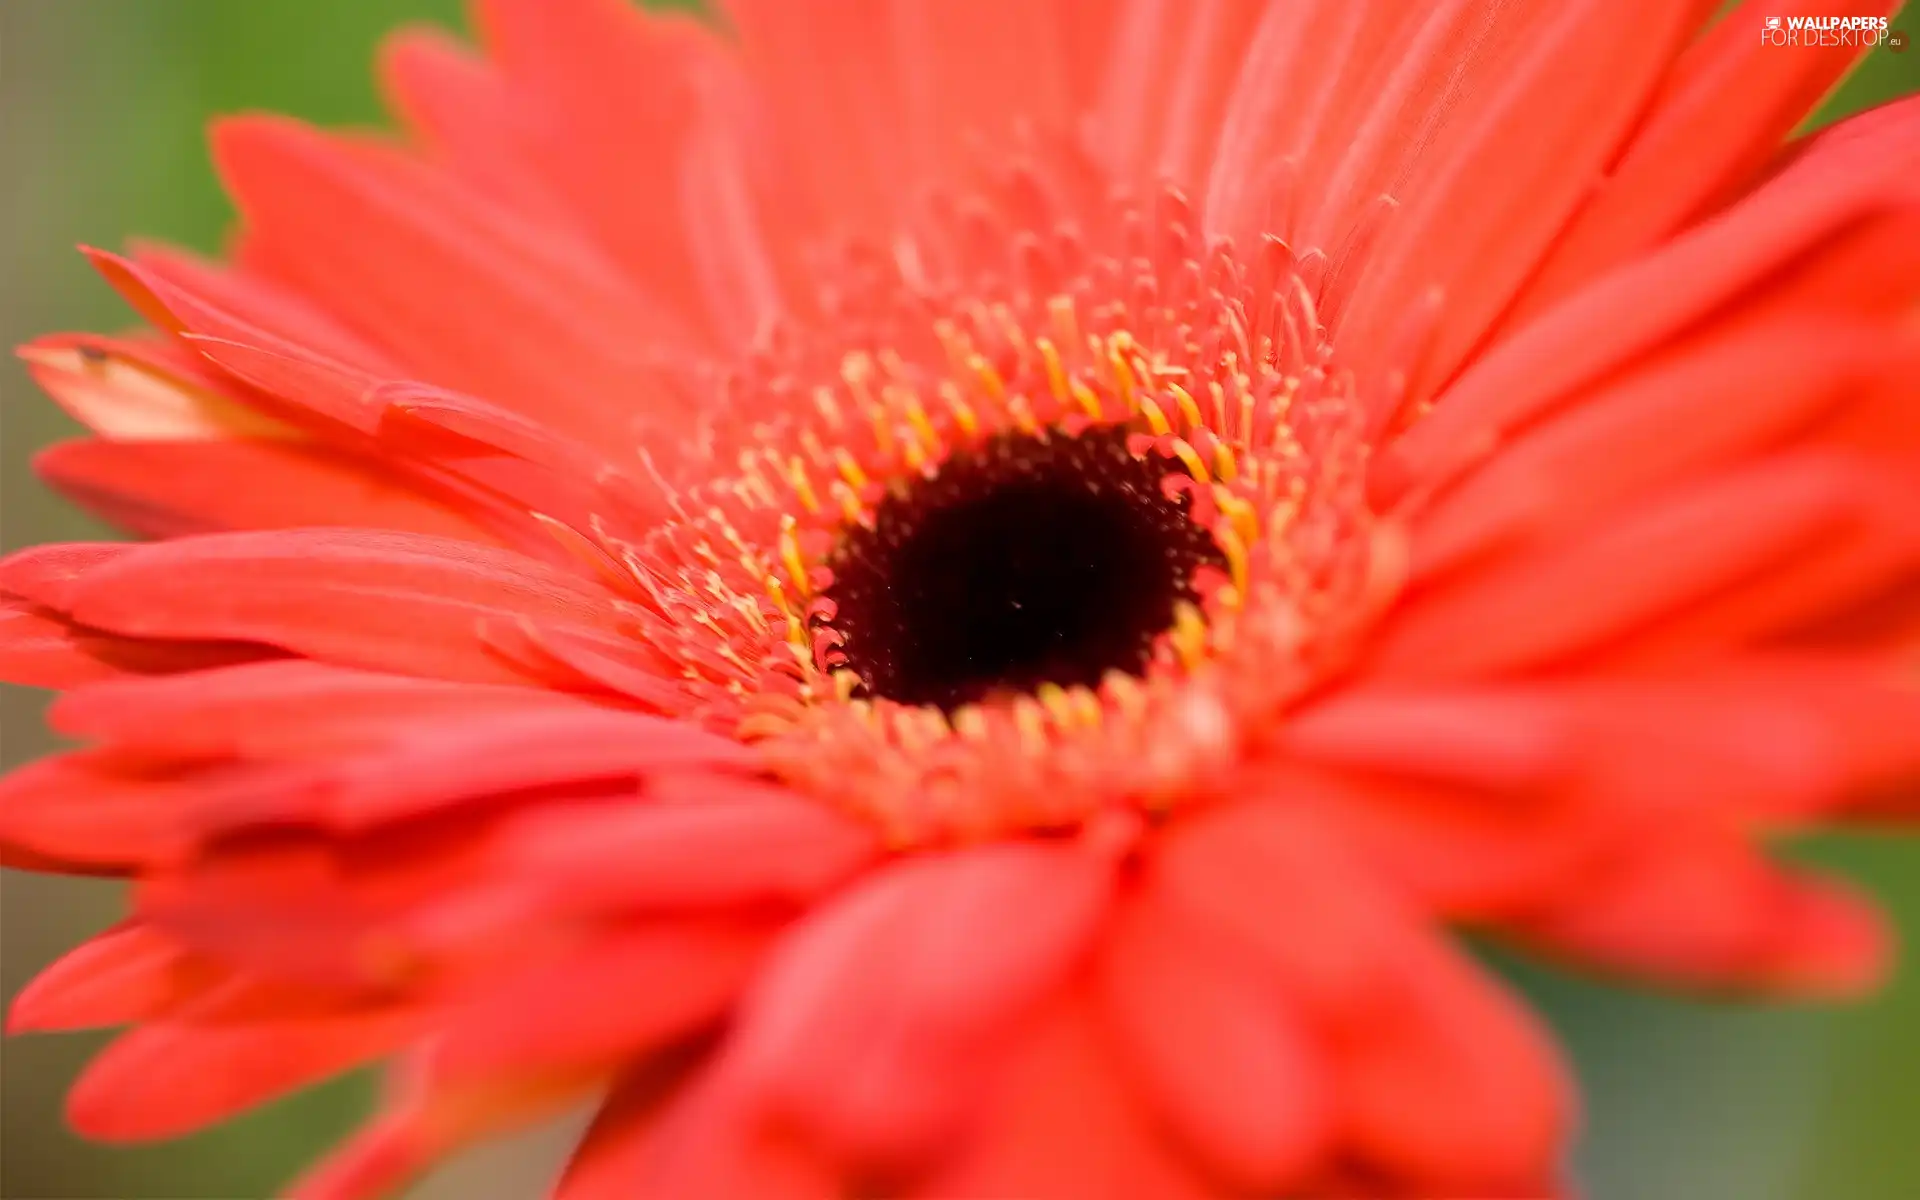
(917, 417)
(790, 555)
(1191, 458)
(1156, 420)
(1235, 548)
(802, 485)
(989, 378)
(1087, 398)
(1123, 377)
(1056, 372)
(1183, 400)
(963, 414)
(1245, 518)
(845, 684)
(970, 722)
(829, 406)
(1189, 634)
(849, 468)
(1022, 414)
(1223, 462)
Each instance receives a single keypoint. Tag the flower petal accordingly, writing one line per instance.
(1438, 1075)
(1068, 1127)
(163, 1080)
(1845, 178)
(424, 1121)
(287, 708)
(536, 321)
(625, 994)
(500, 753)
(87, 807)
(459, 106)
(390, 601)
(119, 390)
(40, 648)
(702, 1140)
(167, 489)
(1547, 605)
(884, 1067)
(588, 74)
(1506, 168)
(1217, 1052)
(1723, 111)
(1231, 868)
(1732, 393)
(1706, 911)
(698, 842)
(129, 973)
(1460, 1088)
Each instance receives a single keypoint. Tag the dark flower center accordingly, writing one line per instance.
(1025, 560)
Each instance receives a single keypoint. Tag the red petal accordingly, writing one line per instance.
(167, 1079)
(706, 1144)
(129, 973)
(291, 708)
(46, 574)
(84, 807)
(1724, 110)
(1470, 855)
(1438, 1075)
(1457, 1087)
(1505, 164)
(466, 293)
(1067, 1128)
(39, 648)
(625, 993)
(1838, 183)
(514, 751)
(1732, 393)
(291, 378)
(575, 659)
(588, 74)
(1477, 737)
(842, 125)
(729, 842)
(248, 300)
(427, 1120)
(119, 392)
(1547, 605)
(1232, 868)
(166, 489)
(390, 601)
(1284, 119)
(456, 103)
(1706, 911)
(877, 1018)
(355, 919)
(1217, 1052)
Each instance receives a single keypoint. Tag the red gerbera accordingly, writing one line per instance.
(947, 598)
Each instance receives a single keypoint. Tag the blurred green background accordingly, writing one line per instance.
(101, 105)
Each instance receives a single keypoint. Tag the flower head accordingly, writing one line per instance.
(949, 599)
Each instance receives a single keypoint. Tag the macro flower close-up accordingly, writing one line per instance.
(986, 599)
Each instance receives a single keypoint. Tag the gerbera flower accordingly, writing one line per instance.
(951, 599)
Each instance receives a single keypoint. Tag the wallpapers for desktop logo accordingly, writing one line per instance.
(1830, 31)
